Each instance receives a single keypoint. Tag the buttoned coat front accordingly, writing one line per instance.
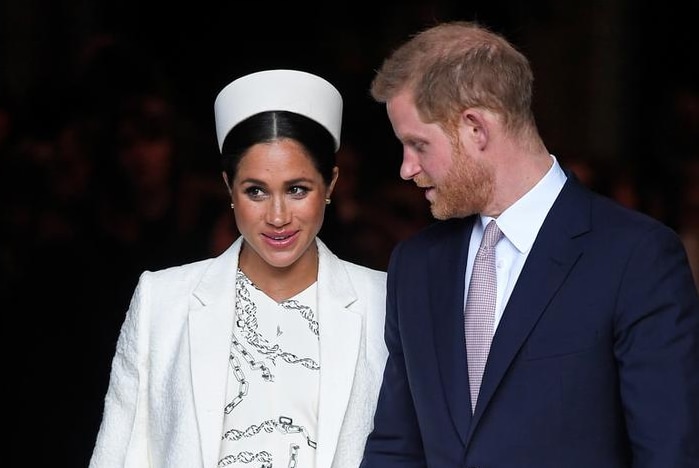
(164, 405)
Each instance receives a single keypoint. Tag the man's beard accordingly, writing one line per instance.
(465, 190)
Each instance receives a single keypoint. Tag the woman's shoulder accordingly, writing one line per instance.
(351, 267)
(363, 271)
(192, 271)
(171, 284)
(178, 272)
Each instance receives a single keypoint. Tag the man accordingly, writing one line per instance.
(591, 309)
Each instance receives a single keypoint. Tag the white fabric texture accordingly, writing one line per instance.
(167, 390)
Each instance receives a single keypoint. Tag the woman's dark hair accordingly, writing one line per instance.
(270, 126)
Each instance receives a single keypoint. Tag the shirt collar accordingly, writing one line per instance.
(521, 222)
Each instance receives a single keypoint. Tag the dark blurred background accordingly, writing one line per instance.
(110, 165)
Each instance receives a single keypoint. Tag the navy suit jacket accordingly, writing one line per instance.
(595, 362)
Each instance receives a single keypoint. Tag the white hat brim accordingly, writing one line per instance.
(278, 90)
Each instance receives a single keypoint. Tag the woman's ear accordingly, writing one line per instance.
(331, 187)
(227, 182)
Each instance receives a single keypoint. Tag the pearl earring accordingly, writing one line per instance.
(232, 206)
(327, 201)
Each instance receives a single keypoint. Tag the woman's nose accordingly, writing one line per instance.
(278, 212)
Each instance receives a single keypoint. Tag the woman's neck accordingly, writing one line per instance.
(280, 283)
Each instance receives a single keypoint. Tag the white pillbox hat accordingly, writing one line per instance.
(278, 90)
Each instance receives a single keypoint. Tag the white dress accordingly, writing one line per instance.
(271, 412)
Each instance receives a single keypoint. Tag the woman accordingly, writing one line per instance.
(271, 354)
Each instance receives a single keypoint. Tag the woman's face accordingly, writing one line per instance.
(279, 199)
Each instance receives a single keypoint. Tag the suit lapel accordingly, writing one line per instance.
(212, 311)
(552, 256)
(340, 336)
(446, 304)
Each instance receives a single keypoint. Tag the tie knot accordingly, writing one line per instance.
(491, 236)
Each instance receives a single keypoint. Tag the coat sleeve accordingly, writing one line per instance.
(657, 349)
(395, 439)
(122, 437)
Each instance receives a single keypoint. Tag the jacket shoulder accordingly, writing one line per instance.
(176, 277)
(362, 271)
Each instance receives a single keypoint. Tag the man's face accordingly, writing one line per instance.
(456, 183)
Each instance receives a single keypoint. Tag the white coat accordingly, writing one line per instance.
(164, 405)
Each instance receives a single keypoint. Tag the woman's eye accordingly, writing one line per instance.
(254, 192)
(298, 190)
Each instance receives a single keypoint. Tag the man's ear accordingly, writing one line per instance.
(475, 127)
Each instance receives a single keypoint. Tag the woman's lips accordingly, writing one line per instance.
(280, 240)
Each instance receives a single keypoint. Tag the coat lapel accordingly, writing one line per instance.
(446, 303)
(340, 336)
(552, 256)
(213, 305)
(212, 311)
